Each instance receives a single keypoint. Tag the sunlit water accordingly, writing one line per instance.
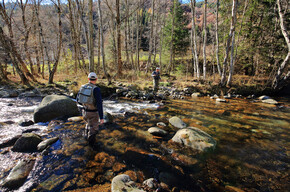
(252, 151)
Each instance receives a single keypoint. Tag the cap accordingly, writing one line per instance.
(92, 75)
(157, 68)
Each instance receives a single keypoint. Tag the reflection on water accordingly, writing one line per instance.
(252, 151)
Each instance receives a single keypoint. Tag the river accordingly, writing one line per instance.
(252, 153)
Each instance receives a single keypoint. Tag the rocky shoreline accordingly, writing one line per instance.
(83, 166)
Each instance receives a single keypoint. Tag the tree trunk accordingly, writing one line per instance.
(193, 28)
(91, 38)
(232, 29)
(232, 62)
(151, 36)
(204, 39)
(119, 49)
(54, 68)
(217, 39)
(127, 33)
(277, 80)
(171, 41)
(137, 40)
(102, 42)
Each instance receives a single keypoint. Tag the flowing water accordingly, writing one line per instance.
(252, 153)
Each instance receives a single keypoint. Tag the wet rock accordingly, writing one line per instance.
(221, 100)
(4, 94)
(124, 183)
(27, 142)
(214, 97)
(177, 122)
(26, 123)
(161, 124)
(108, 118)
(168, 178)
(270, 101)
(44, 144)
(75, 119)
(30, 130)
(157, 131)
(150, 183)
(33, 93)
(18, 174)
(194, 138)
(197, 94)
(53, 106)
(264, 97)
(9, 142)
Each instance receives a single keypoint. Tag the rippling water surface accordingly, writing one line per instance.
(252, 154)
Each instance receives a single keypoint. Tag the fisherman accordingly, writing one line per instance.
(156, 79)
(91, 99)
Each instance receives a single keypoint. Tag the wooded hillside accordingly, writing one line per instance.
(39, 39)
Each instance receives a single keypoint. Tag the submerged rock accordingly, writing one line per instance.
(157, 131)
(44, 144)
(124, 183)
(18, 174)
(221, 100)
(177, 122)
(264, 97)
(53, 106)
(194, 138)
(27, 142)
(168, 179)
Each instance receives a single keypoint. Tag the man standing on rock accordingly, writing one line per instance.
(90, 97)
(156, 79)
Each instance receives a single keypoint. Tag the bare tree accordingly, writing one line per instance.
(91, 38)
(217, 39)
(172, 38)
(277, 81)
(204, 39)
(102, 42)
(59, 46)
(151, 35)
(232, 29)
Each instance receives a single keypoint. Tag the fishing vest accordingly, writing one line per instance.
(86, 96)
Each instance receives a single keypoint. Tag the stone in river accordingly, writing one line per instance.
(221, 100)
(161, 124)
(270, 101)
(264, 97)
(151, 183)
(26, 123)
(157, 131)
(18, 174)
(124, 183)
(75, 119)
(53, 106)
(44, 144)
(9, 142)
(197, 94)
(177, 122)
(194, 138)
(27, 142)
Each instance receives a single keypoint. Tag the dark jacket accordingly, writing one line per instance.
(156, 75)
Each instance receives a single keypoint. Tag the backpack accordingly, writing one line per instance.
(86, 95)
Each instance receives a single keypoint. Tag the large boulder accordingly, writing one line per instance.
(177, 122)
(194, 138)
(27, 142)
(53, 106)
(124, 183)
(18, 174)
